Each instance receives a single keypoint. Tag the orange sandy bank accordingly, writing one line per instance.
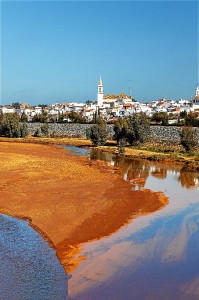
(69, 200)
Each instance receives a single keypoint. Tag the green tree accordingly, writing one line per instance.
(60, 117)
(98, 133)
(43, 116)
(44, 129)
(16, 105)
(188, 138)
(10, 125)
(1, 117)
(160, 117)
(121, 128)
(88, 102)
(43, 105)
(36, 118)
(138, 129)
(133, 130)
(192, 119)
(183, 114)
(23, 129)
(24, 117)
(76, 117)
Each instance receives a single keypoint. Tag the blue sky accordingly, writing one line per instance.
(55, 51)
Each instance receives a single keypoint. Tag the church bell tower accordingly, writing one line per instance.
(100, 93)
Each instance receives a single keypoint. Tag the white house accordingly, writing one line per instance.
(8, 109)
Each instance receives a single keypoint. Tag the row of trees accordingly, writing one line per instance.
(187, 119)
(132, 130)
(11, 125)
(135, 130)
(190, 119)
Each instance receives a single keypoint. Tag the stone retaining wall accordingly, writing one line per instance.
(168, 134)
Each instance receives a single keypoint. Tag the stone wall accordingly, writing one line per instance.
(59, 129)
(168, 134)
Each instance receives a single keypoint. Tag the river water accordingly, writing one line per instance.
(153, 256)
(29, 268)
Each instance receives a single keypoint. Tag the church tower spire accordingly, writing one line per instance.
(100, 93)
(197, 92)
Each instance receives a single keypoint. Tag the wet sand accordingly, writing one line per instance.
(69, 200)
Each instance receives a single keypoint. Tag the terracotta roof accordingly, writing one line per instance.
(108, 96)
(120, 96)
(128, 105)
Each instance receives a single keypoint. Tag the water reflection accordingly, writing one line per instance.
(137, 171)
(154, 256)
(188, 178)
(116, 214)
(151, 259)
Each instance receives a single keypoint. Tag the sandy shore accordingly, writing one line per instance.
(69, 200)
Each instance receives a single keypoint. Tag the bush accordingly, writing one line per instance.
(97, 133)
(121, 131)
(192, 119)
(23, 130)
(10, 125)
(37, 132)
(139, 129)
(133, 129)
(160, 117)
(44, 129)
(188, 138)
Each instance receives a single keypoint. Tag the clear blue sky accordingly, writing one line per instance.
(55, 51)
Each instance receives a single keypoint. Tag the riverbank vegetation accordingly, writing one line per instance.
(151, 150)
(131, 135)
(130, 138)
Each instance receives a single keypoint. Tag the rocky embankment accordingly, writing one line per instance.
(166, 134)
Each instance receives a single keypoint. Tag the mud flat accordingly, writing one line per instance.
(67, 199)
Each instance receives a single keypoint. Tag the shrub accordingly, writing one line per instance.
(23, 130)
(160, 117)
(192, 119)
(10, 125)
(44, 129)
(120, 133)
(133, 129)
(139, 129)
(188, 138)
(97, 133)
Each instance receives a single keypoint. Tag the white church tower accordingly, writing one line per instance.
(100, 93)
(197, 92)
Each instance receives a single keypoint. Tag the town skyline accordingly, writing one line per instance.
(56, 51)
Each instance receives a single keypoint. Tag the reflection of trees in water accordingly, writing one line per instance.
(159, 172)
(188, 179)
(99, 155)
(132, 170)
(138, 171)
